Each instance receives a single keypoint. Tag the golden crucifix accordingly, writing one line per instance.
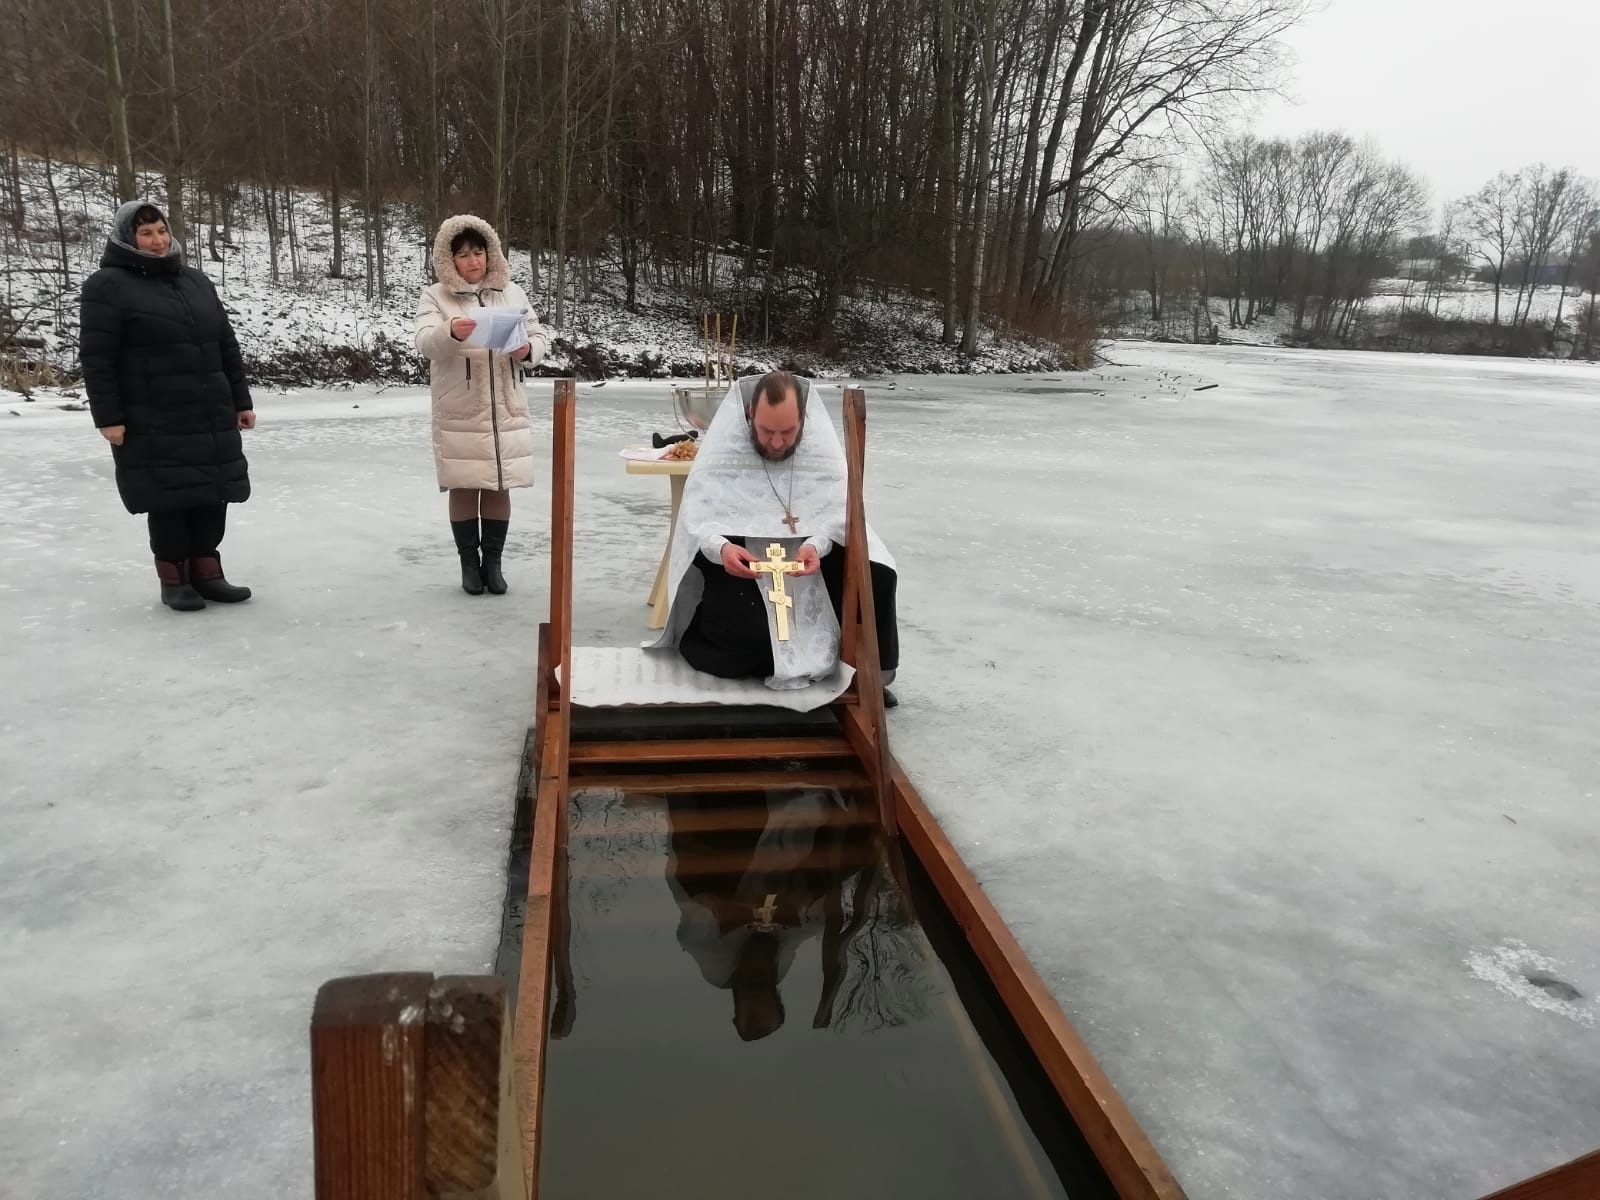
(764, 916)
(777, 565)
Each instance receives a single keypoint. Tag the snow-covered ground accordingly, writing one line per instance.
(1473, 301)
(1263, 712)
(1469, 303)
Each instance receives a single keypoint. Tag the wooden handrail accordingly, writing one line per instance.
(864, 722)
(1577, 1180)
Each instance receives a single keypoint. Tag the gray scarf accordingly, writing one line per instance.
(125, 233)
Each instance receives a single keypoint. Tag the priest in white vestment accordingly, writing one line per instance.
(770, 469)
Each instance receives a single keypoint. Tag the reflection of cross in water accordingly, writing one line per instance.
(764, 914)
(778, 566)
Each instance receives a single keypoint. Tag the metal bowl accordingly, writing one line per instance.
(696, 405)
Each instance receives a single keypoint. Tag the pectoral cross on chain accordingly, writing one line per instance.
(790, 520)
(777, 566)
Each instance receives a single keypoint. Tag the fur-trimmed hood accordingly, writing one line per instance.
(495, 278)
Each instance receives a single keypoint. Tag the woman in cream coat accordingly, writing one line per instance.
(482, 441)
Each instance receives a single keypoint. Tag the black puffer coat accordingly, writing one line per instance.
(159, 358)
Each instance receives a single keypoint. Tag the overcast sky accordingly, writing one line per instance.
(1458, 89)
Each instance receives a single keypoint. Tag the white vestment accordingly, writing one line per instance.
(733, 492)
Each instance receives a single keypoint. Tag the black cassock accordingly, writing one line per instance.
(728, 636)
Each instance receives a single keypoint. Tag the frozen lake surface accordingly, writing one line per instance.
(1264, 712)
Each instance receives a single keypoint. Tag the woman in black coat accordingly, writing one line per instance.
(167, 389)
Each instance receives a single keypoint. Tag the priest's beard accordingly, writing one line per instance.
(776, 455)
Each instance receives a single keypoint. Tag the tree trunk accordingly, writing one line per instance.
(212, 252)
(176, 222)
(336, 219)
(1000, 236)
(1082, 142)
(946, 223)
(291, 229)
(1012, 283)
(432, 151)
(14, 186)
(117, 106)
(269, 206)
(982, 173)
(502, 52)
(768, 228)
(61, 229)
(565, 133)
(1088, 31)
(370, 132)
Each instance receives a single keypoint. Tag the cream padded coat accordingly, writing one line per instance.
(481, 434)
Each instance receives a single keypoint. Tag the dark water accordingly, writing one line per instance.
(746, 1005)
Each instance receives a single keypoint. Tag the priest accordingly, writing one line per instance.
(770, 471)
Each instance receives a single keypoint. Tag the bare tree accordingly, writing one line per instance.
(1492, 215)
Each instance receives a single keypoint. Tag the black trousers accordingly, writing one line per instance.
(187, 532)
(728, 637)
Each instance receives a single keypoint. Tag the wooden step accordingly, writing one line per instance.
(842, 857)
(685, 750)
(681, 782)
(634, 821)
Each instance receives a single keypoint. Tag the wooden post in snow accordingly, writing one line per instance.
(413, 1093)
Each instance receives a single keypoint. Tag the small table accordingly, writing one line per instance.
(676, 471)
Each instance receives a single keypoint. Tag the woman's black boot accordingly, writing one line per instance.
(466, 534)
(494, 543)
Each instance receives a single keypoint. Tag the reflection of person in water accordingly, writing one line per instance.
(749, 898)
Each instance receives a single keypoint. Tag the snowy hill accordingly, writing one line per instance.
(306, 327)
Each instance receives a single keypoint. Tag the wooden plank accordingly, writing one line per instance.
(848, 633)
(543, 697)
(673, 750)
(473, 1135)
(367, 1047)
(530, 1031)
(676, 783)
(1578, 1180)
(860, 610)
(862, 740)
(562, 475)
(1131, 1162)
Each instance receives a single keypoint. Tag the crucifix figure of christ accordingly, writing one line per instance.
(777, 566)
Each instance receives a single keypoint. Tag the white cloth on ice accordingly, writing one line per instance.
(629, 677)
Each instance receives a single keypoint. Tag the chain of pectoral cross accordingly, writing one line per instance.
(789, 518)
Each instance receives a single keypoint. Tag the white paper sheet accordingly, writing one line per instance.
(499, 328)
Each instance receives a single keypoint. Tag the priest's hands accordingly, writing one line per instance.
(736, 561)
(810, 564)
